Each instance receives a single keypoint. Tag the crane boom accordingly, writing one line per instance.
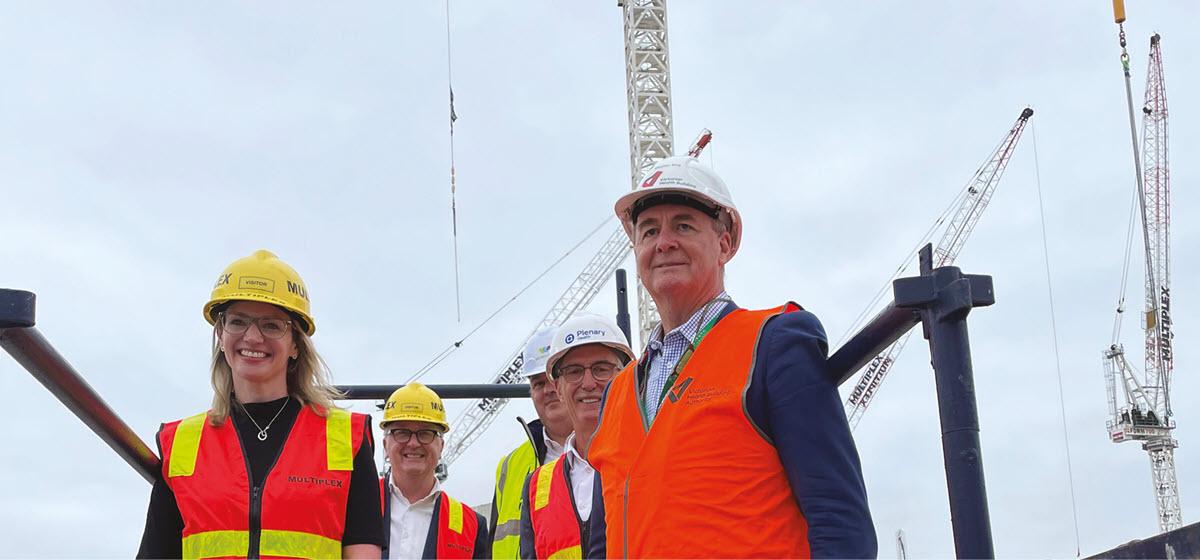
(1140, 410)
(975, 198)
(474, 421)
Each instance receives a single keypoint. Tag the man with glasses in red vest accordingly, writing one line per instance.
(727, 438)
(419, 519)
(585, 353)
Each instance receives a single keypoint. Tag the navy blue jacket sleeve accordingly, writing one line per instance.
(597, 535)
(797, 407)
(483, 539)
(527, 551)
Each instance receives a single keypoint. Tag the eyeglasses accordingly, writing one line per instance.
(601, 371)
(401, 435)
(270, 327)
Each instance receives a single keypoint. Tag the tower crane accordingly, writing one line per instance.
(651, 138)
(972, 201)
(648, 87)
(1140, 409)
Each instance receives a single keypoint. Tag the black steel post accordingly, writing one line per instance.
(460, 391)
(944, 297)
(29, 348)
(623, 305)
(887, 327)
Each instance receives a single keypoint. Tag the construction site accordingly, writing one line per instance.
(444, 174)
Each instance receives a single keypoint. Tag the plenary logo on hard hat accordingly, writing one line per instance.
(585, 334)
(569, 339)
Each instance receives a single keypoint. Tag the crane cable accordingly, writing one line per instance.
(449, 349)
(1054, 334)
(453, 205)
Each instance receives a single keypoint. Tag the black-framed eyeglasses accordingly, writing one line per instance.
(270, 327)
(402, 435)
(601, 371)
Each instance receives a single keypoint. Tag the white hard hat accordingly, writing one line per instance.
(583, 329)
(533, 359)
(681, 180)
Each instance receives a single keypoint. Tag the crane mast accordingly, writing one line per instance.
(1140, 409)
(648, 86)
(974, 200)
(651, 138)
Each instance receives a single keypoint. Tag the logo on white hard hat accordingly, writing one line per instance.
(569, 339)
(649, 182)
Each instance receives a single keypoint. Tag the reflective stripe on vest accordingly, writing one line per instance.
(303, 497)
(457, 529)
(215, 544)
(556, 526)
(510, 480)
(669, 491)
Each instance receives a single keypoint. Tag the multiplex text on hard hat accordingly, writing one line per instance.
(533, 358)
(414, 402)
(682, 175)
(584, 329)
(261, 277)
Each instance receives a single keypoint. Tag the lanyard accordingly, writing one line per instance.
(683, 360)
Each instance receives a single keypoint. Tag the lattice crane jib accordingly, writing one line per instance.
(474, 421)
(648, 86)
(974, 200)
(1140, 405)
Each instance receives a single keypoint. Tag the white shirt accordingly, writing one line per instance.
(582, 474)
(410, 522)
(553, 448)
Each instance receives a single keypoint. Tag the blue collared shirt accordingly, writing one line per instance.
(664, 352)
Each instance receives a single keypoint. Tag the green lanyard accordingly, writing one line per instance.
(683, 360)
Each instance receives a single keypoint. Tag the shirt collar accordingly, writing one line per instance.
(570, 452)
(437, 487)
(692, 326)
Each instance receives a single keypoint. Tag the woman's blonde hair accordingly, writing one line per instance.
(308, 377)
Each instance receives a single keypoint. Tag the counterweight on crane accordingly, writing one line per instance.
(1140, 409)
(974, 200)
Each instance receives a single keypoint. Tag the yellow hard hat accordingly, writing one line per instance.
(415, 402)
(261, 277)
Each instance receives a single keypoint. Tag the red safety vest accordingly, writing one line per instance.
(702, 482)
(298, 512)
(457, 525)
(557, 531)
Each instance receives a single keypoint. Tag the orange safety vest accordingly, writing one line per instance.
(457, 526)
(298, 512)
(557, 529)
(702, 481)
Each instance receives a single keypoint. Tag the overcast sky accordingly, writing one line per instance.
(144, 146)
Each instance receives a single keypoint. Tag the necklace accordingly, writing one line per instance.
(262, 432)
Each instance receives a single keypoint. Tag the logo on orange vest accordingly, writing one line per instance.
(677, 391)
(698, 395)
(458, 546)
(315, 481)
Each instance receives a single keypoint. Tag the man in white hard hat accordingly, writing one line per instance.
(546, 437)
(586, 352)
(727, 437)
(419, 519)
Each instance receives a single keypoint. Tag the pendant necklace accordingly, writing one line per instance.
(262, 432)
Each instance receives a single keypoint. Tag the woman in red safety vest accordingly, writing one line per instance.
(274, 469)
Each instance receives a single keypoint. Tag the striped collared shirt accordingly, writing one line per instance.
(663, 352)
